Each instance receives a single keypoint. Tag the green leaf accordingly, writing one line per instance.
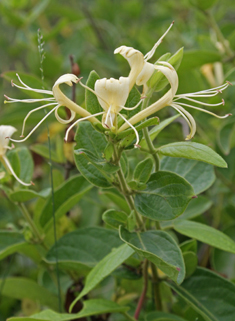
(132, 100)
(153, 133)
(166, 196)
(212, 296)
(114, 218)
(190, 261)
(158, 81)
(22, 162)
(224, 262)
(94, 244)
(162, 316)
(88, 138)
(225, 136)
(143, 170)
(23, 195)
(100, 163)
(43, 151)
(91, 101)
(138, 186)
(205, 234)
(196, 207)
(20, 288)
(90, 307)
(159, 248)
(117, 199)
(197, 58)
(10, 242)
(65, 197)
(195, 151)
(189, 245)
(199, 174)
(105, 267)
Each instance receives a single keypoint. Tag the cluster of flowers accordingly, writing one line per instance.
(112, 95)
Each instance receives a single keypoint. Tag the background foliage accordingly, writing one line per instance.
(90, 31)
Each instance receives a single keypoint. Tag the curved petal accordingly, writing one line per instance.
(5, 131)
(145, 74)
(135, 59)
(63, 100)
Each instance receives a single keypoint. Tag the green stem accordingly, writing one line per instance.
(31, 223)
(124, 187)
(156, 288)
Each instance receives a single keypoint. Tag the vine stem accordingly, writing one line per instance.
(145, 288)
(125, 189)
(148, 139)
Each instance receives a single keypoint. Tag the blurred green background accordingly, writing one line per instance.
(90, 31)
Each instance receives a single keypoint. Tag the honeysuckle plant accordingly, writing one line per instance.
(150, 194)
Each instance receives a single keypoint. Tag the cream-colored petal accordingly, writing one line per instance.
(101, 90)
(145, 74)
(135, 59)
(5, 131)
(113, 91)
(170, 73)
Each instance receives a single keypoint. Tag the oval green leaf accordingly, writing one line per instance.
(94, 244)
(159, 248)
(192, 150)
(165, 198)
(209, 294)
(205, 234)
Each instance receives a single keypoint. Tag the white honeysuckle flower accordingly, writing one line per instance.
(173, 100)
(5, 134)
(112, 95)
(141, 69)
(56, 99)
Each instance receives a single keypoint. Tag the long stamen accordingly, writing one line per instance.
(209, 91)
(205, 111)
(201, 102)
(33, 130)
(13, 173)
(32, 111)
(189, 119)
(26, 87)
(152, 51)
(27, 101)
(136, 133)
(131, 108)
(77, 121)
(197, 96)
(91, 90)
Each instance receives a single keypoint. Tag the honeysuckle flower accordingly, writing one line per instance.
(112, 95)
(175, 101)
(55, 99)
(141, 69)
(5, 133)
